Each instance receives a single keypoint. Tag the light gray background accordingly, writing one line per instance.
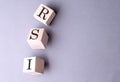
(84, 43)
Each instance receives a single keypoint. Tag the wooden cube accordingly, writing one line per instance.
(37, 38)
(44, 14)
(33, 65)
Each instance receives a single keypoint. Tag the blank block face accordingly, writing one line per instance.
(44, 14)
(33, 65)
(37, 38)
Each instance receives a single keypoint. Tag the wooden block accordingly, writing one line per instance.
(37, 38)
(44, 14)
(33, 65)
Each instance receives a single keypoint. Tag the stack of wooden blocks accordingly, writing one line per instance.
(37, 39)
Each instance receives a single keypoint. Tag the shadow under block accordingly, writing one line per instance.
(33, 65)
(44, 14)
(37, 38)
